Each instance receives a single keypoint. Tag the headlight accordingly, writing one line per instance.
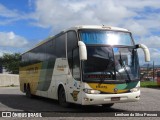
(135, 89)
(91, 91)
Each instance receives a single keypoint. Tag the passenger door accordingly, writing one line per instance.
(73, 77)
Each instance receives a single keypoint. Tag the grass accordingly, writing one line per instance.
(149, 84)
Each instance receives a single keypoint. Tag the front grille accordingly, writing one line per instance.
(115, 93)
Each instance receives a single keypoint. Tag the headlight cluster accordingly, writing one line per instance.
(91, 91)
(135, 89)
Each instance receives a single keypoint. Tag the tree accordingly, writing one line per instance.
(11, 62)
(0, 65)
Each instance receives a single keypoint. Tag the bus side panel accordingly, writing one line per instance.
(30, 75)
(62, 76)
(49, 82)
(58, 77)
(22, 78)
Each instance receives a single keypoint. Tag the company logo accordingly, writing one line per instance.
(20, 114)
(75, 95)
(115, 90)
(6, 114)
(61, 67)
(101, 86)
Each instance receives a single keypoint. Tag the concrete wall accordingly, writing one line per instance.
(9, 79)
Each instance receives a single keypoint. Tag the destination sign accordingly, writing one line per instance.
(102, 76)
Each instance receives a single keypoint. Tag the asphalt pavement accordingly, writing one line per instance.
(12, 99)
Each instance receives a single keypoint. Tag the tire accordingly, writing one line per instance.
(62, 97)
(24, 88)
(107, 105)
(28, 92)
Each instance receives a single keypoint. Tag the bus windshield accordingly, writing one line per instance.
(106, 37)
(110, 63)
(110, 56)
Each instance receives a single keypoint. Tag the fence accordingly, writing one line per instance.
(9, 79)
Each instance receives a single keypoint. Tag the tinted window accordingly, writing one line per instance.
(72, 43)
(36, 54)
(60, 46)
(27, 57)
(50, 50)
(24, 57)
(76, 64)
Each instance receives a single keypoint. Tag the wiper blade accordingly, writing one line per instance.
(123, 65)
(106, 72)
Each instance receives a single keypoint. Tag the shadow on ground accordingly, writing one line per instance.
(39, 104)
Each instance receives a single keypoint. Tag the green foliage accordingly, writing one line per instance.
(11, 62)
(149, 84)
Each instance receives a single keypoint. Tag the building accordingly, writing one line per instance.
(149, 72)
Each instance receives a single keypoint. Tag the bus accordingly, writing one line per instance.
(158, 78)
(86, 65)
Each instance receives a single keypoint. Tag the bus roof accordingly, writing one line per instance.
(76, 28)
(103, 27)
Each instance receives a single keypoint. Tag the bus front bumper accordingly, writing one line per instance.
(99, 99)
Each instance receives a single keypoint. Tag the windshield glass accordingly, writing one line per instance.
(110, 63)
(106, 37)
(126, 63)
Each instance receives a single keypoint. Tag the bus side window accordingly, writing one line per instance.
(60, 46)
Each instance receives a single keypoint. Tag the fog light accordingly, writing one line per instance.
(138, 96)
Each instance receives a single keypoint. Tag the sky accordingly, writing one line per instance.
(24, 23)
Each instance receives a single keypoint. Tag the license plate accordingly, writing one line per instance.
(115, 98)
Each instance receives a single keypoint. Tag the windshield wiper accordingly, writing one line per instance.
(124, 67)
(106, 72)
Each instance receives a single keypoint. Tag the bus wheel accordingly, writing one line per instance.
(28, 92)
(24, 88)
(62, 97)
(107, 105)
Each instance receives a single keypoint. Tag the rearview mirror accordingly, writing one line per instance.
(145, 50)
(82, 50)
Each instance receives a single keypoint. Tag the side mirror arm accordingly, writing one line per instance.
(82, 50)
(145, 50)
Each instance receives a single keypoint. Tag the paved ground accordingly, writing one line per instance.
(11, 99)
